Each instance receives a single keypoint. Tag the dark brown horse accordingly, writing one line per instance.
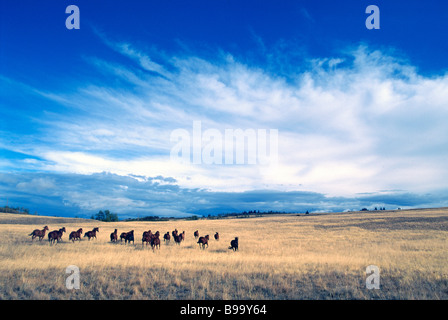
(56, 235)
(114, 236)
(196, 234)
(234, 244)
(216, 236)
(123, 236)
(129, 237)
(75, 235)
(177, 239)
(91, 234)
(167, 237)
(203, 241)
(146, 237)
(38, 233)
(155, 241)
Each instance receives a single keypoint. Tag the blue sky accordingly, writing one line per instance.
(86, 115)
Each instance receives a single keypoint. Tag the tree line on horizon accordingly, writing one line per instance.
(16, 210)
(108, 216)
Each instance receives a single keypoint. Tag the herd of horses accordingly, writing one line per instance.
(148, 238)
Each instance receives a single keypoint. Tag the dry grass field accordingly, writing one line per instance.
(318, 256)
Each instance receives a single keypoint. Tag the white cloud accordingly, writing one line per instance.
(37, 185)
(361, 122)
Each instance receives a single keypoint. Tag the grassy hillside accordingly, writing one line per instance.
(318, 256)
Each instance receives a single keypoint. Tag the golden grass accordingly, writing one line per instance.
(321, 256)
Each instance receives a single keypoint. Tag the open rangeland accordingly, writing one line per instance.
(316, 256)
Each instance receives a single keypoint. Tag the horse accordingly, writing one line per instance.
(38, 233)
(123, 236)
(56, 235)
(75, 235)
(177, 239)
(155, 242)
(234, 244)
(91, 234)
(167, 237)
(203, 241)
(146, 238)
(129, 237)
(113, 236)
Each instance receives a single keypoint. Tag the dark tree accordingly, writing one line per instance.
(106, 216)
